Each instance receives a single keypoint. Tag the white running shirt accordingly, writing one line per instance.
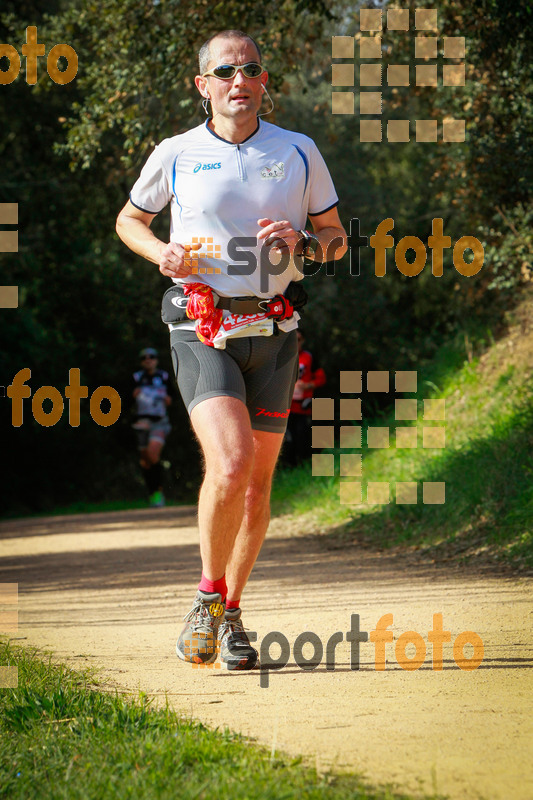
(218, 190)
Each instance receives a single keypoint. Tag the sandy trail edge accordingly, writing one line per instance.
(109, 590)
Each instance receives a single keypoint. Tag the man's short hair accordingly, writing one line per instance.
(204, 55)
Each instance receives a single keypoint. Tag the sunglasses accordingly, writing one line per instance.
(227, 71)
(148, 358)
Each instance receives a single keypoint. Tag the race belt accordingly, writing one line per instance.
(277, 307)
(174, 305)
(249, 316)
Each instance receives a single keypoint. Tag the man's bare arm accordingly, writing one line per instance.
(133, 227)
(330, 234)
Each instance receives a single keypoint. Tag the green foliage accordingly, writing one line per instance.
(480, 187)
(509, 257)
(485, 183)
(71, 153)
(486, 465)
(140, 58)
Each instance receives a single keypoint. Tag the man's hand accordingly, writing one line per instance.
(327, 227)
(279, 233)
(175, 259)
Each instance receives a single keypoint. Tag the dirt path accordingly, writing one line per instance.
(109, 590)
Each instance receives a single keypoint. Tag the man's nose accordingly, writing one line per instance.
(239, 76)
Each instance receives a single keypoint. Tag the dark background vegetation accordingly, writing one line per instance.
(69, 155)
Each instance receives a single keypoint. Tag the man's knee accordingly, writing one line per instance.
(231, 470)
(258, 494)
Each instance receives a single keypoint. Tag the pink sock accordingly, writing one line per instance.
(233, 604)
(211, 587)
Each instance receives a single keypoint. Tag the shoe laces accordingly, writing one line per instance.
(233, 627)
(200, 617)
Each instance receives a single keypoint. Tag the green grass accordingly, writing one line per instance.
(487, 466)
(61, 738)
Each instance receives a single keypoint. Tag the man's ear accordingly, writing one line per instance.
(201, 85)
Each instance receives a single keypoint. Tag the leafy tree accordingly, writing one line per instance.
(140, 58)
(70, 154)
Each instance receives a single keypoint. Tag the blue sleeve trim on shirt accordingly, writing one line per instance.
(306, 162)
(318, 213)
(146, 211)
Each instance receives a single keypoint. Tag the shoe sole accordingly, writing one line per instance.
(212, 658)
(241, 666)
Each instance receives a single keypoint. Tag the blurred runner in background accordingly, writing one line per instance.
(310, 377)
(152, 392)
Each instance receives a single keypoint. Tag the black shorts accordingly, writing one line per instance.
(147, 429)
(259, 370)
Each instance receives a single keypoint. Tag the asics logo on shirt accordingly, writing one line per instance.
(199, 166)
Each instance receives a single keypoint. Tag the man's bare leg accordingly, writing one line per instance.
(222, 425)
(233, 515)
(151, 454)
(149, 460)
(256, 517)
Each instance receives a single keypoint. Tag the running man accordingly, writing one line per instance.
(233, 176)
(152, 392)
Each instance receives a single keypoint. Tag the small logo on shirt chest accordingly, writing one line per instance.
(275, 171)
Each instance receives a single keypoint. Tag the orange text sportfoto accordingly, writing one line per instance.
(382, 240)
(74, 392)
(33, 50)
(380, 636)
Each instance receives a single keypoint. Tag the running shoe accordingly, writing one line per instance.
(236, 652)
(157, 499)
(198, 640)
